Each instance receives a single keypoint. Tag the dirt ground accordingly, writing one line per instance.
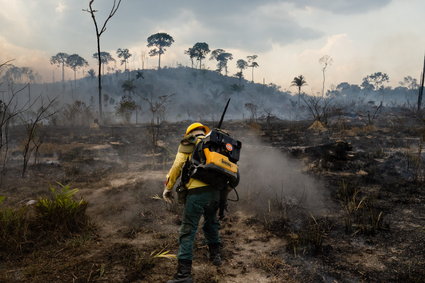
(370, 228)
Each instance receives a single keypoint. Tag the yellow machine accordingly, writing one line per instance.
(215, 158)
(220, 162)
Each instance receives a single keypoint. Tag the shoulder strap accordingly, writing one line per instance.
(187, 144)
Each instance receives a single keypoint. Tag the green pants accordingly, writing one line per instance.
(199, 204)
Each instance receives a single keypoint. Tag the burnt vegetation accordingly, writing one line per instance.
(348, 203)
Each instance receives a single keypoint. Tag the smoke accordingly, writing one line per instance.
(268, 175)
(192, 95)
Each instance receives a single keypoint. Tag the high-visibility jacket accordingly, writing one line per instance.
(183, 154)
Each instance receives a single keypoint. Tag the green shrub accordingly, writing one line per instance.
(61, 213)
(14, 228)
(56, 217)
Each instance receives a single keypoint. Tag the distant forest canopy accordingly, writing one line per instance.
(185, 93)
(192, 93)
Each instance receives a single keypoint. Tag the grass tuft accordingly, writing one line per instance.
(360, 213)
(309, 238)
(272, 265)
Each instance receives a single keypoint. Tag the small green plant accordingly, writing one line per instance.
(125, 108)
(14, 228)
(143, 262)
(61, 212)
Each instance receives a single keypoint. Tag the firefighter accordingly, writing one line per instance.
(201, 199)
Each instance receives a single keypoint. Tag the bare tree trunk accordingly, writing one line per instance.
(29, 93)
(299, 96)
(421, 88)
(5, 148)
(63, 72)
(63, 75)
(99, 78)
(8, 110)
(98, 34)
(159, 61)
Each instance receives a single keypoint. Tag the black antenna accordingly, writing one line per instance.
(222, 115)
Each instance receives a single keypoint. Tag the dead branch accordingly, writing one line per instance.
(8, 111)
(92, 12)
(32, 129)
(319, 107)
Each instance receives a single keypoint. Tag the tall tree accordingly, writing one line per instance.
(124, 54)
(222, 57)
(14, 73)
(252, 64)
(99, 32)
(60, 60)
(29, 74)
(128, 86)
(91, 73)
(409, 82)
(105, 58)
(20, 74)
(241, 64)
(75, 62)
(30, 78)
(376, 80)
(159, 41)
(200, 51)
(325, 62)
(299, 82)
(191, 54)
(23, 75)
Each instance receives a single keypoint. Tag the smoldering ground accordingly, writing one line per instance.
(270, 178)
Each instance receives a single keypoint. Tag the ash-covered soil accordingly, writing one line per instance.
(344, 204)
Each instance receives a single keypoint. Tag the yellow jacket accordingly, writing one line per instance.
(182, 155)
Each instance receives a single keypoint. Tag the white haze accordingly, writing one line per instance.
(269, 175)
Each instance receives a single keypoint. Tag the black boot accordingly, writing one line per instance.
(184, 272)
(215, 256)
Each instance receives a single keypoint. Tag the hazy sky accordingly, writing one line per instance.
(289, 36)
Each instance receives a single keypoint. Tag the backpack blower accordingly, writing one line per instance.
(215, 157)
(214, 161)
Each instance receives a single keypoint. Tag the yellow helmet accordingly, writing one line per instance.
(195, 126)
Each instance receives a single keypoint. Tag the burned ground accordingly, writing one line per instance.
(350, 209)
